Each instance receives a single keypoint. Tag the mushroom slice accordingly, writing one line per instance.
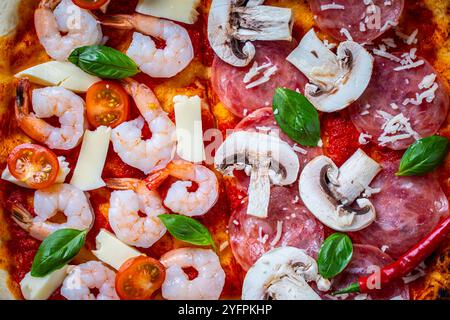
(267, 158)
(283, 274)
(331, 193)
(336, 80)
(232, 24)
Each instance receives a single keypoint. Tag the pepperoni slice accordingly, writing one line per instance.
(386, 97)
(408, 208)
(366, 260)
(251, 237)
(228, 81)
(364, 22)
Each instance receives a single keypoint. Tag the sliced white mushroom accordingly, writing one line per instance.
(267, 159)
(336, 80)
(283, 274)
(334, 195)
(233, 24)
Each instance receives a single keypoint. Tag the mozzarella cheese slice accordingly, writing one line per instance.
(88, 171)
(42, 288)
(62, 174)
(188, 117)
(112, 251)
(178, 10)
(57, 73)
(9, 16)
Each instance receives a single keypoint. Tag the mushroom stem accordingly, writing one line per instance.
(354, 177)
(259, 189)
(262, 23)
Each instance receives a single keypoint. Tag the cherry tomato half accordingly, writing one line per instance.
(139, 278)
(90, 4)
(34, 165)
(107, 103)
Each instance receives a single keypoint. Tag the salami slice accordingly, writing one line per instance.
(242, 98)
(366, 260)
(399, 107)
(289, 224)
(363, 21)
(408, 208)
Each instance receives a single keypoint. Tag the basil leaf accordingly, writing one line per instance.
(334, 255)
(57, 250)
(296, 117)
(187, 229)
(423, 156)
(104, 62)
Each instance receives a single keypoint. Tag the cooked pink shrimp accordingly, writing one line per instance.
(90, 275)
(157, 63)
(156, 152)
(124, 212)
(208, 285)
(178, 198)
(54, 17)
(47, 102)
(47, 203)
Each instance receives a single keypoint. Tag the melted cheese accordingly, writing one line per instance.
(42, 288)
(178, 10)
(88, 171)
(57, 73)
(188, 117)
(112, 251)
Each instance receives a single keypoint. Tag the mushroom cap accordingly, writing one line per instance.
(319, 200)
(221, 39)
(336, 80)
(284, 273)
(252, 147)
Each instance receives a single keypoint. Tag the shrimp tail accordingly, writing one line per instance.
(22, 98)
(118, 21)
(122, 184)
(21, 216)
(154, 180)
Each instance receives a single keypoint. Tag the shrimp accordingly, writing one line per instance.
(84, 277)
(54, 17)
(47, 102)
(156, 152)
(157, 63)
(47, 203)
(124, 212)
(178, 198)
(207, 285)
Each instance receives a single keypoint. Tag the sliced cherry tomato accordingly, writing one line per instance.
(34, 165)
(90, 4)
(139, 278)
(108, 104)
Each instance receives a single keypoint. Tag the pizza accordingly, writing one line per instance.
(224, 149)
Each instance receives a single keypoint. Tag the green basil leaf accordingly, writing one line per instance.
(296, 117)
(57, 250)
(334, 255)
(423, 156)
(187, 229)
(104, 62)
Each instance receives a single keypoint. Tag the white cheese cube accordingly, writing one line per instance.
(178, 10)
(57, 73)
(88, 171)
(112, 251)
(42, 288)
(188, 118)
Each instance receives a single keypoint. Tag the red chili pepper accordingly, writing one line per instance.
(405, 264)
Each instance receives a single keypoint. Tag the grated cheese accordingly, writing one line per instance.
(427, 95)
(262, 238)
(393, 128)
(386, 55)
(223, 245)
(329, 45)
(346, 33)
(255, 71)
(388, 24)
(368, 192)
(410, 65)
(278, 234)
(427, 81)
(363, 138)
(394, 106)
(331, 6)
(296, 148)
(384, 248)
(390, 42)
